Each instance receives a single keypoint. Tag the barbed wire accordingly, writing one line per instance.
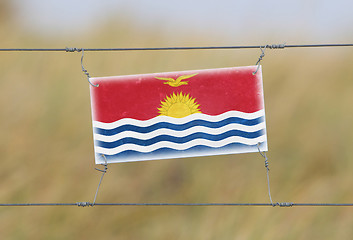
(269, 46)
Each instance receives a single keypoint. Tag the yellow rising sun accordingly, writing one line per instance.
(178, 105)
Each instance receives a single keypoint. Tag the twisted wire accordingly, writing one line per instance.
(83, 69)
(103, 172)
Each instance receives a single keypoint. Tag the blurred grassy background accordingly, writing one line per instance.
(47, 149)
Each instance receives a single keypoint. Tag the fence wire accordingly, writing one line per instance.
(88, 204)
(268, 46)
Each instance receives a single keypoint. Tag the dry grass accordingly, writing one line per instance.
(47, 149)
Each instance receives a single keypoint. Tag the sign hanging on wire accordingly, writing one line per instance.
(178, 114)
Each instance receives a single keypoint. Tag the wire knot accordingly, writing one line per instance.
(267, 164)
(283, 204)
(103, 170)
(263, 48)
(260, 59)
(84, 204)
(105, 164)
(68, 49)
(263, 154)
(276, 46)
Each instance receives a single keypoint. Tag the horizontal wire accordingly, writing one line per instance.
(35, 204)
(86, 204)
(272, 46)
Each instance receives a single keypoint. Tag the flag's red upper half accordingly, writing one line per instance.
(139, 96)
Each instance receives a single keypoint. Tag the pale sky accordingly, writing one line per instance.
(312, 20)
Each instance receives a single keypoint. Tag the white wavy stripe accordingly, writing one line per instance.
(184, 133)
(178, 146)
(198, 116)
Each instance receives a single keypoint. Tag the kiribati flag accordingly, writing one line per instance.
(178, 114)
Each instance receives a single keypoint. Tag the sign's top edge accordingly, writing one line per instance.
(253, 67)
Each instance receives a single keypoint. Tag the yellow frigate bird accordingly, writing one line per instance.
(176, 82)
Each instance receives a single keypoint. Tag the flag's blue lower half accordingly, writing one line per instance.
(165, 137)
